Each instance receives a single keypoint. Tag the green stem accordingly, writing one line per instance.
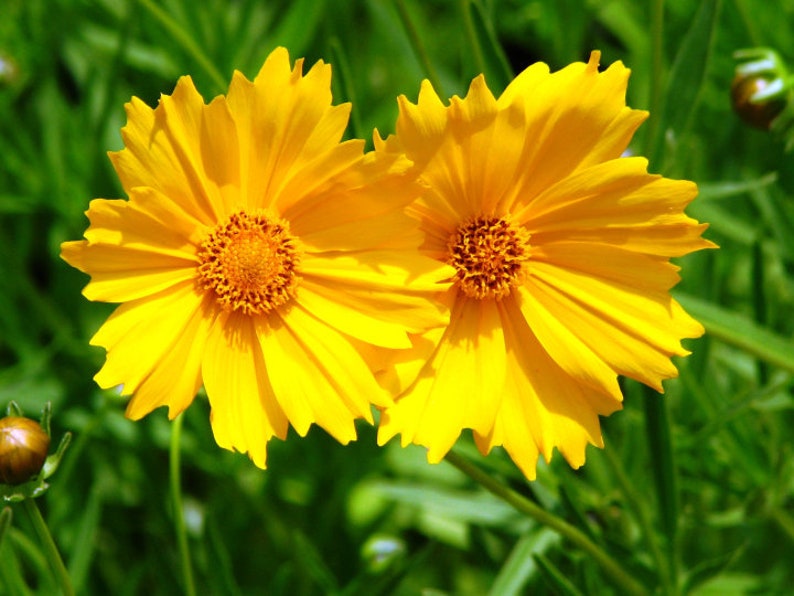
(657, 68)
(637, 505)
(628, 584)
(660, 444)
(187, 43)
(419, 47)
(471, 35)
(179, 515)
(51, 551)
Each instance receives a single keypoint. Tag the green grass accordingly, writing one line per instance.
(695, 491)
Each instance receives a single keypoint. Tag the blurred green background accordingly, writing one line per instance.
(695, 491)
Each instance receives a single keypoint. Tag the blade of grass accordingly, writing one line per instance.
(184, 39)
(419, 47)
(686, 77)
(657, 424)
(739, 331)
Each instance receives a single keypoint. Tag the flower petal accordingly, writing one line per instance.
(163, 151)
(617, 202)
(645, 328)
(245, 412)
(284, 120)
(575, 117)
(542, 407)
(134, 248)
(154, 350)
(460, 386)
(316, 374)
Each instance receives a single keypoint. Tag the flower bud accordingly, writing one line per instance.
(745, 91)
(23, 449)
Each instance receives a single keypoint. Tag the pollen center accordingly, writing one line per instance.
(490, 256)
(250, 263)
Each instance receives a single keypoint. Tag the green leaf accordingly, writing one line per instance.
(521, 565)
(489, 56)
(741, 332)
(561, 584)
(687, 76)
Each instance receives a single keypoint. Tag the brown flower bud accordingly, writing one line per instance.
(23, 449)
(758, 114)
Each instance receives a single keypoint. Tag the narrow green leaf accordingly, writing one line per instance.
(83, 553)
(489, 55)
(343, 80)
(298, 25)
(520, 565)
(5, 522)
(657, 424)
(741, 332)
(687, 76)
(556, 578)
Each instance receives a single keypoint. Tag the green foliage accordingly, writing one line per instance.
(694, 493)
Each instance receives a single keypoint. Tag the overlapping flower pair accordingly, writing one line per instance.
(493, 266)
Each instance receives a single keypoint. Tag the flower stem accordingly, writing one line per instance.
(628, 584)
(657, 75)
(178, 511)
(51, 550)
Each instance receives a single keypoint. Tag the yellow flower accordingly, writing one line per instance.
(561, 249)
(256, 255)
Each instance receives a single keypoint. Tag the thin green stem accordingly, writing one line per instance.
(178, 510)
(657, 75)
(643, 517)
(183, 38)
(628, 584)
(419, 46)
(50, 549)
(471, 34)
(660, 444)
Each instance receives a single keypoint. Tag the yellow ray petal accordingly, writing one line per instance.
(460, 386)
(381, 305)
(566, 349)
(134, 248)
(543, 402)
(644, 331)
(245, 412)
(162, 151)
(143, 338)
(316, 375)
(618, 203)
(574, 118)
(283, 119)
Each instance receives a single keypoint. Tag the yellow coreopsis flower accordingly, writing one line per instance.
(257, 255)
(561, 249)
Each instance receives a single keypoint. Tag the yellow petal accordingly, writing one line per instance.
(644, 330)
(618, 203)
(377, 297)
(460, 386)
(154, 350)
(542, 404)
(566, 349)
(245, 412)
(134, 248)
(316, 375)
(284, 120)
(575, 118)
(162, 151)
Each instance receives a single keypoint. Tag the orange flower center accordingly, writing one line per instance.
(490, 255)
(250, 263)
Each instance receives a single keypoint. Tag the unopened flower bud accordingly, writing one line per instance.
(745, 90)
(23, 449)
